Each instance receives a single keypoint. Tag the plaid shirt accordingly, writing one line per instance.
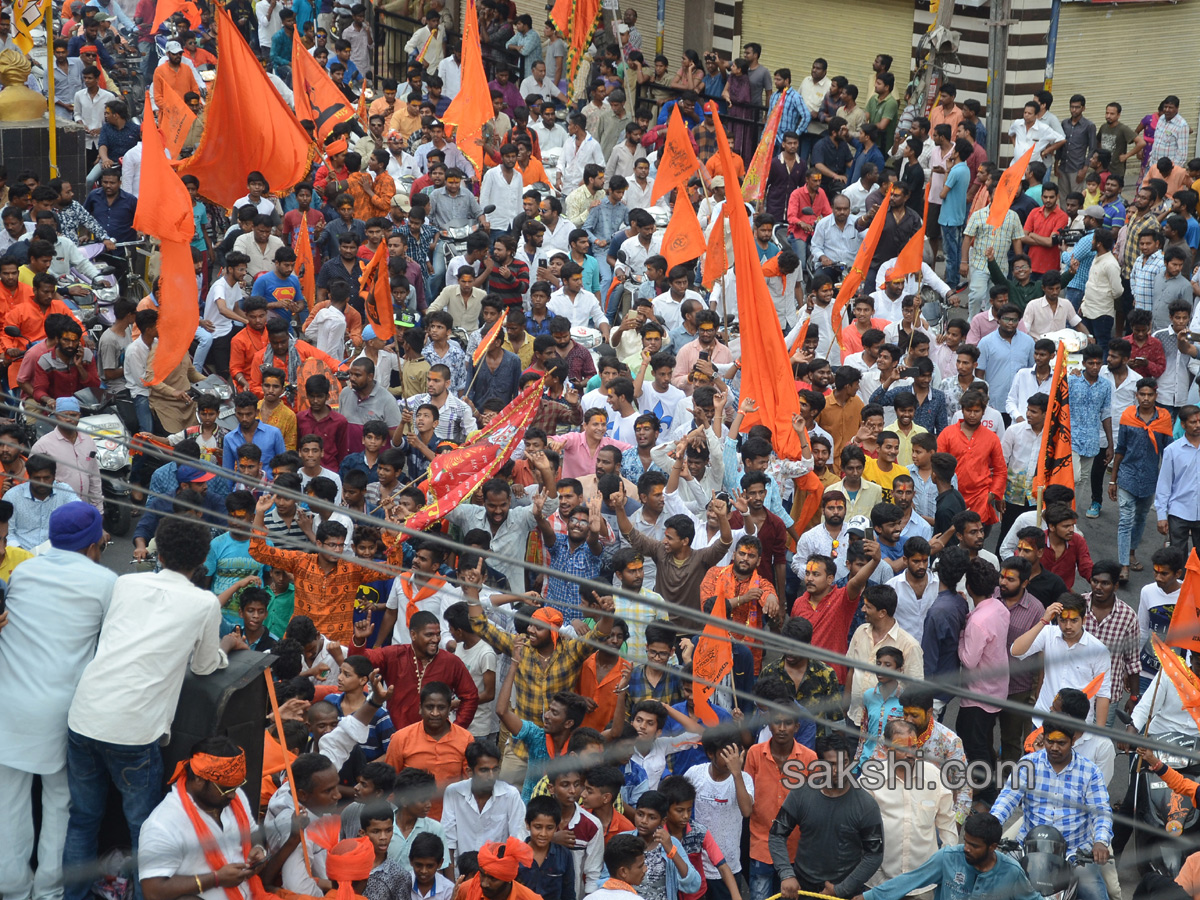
(537, 680)
(1075, 801)
(795, 113)
(985, 236)
(1090, 405)
(1141, 278)
(556, 415)
(419, 244)
(1119, 633)
(933, 413)
(1134, 227)
(819, 691)
(705, 136)
(455, 420)
(456, 359)
(668, 691)
(1170, 140)
(75, 219)
(561, 593)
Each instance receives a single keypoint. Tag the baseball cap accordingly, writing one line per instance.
(1095, 211)
(174, 47)
(192, 475)
(858, 524)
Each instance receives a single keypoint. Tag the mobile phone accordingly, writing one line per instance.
(1193, 336)
(910, 372)
(705, 355)
(869, 534)
(1139, 361)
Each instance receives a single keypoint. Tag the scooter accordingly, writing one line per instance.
(105, 423)
(220, 388)
(1043, 856)
(454, 239)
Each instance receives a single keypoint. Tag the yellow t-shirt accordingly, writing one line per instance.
(13, 557)
(905, 457)
(873, 473)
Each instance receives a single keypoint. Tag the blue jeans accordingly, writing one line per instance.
(137, 772)
(1132, 523)
(1101, 329)
(141, 406)
(1075, 295)
(977, 293)
(951, 247)
(764, 881)
(1090, 883)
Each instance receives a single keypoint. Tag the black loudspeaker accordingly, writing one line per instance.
(231, 701)
(26, 145)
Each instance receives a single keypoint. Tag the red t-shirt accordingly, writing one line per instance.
(831, 620)
(1043, 259)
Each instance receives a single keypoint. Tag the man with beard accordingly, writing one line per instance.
(366, 400)
(608, 462)
(577, 553)
(970, 869)
(499, 865)
(749, 599)
(481, 808)
(34, 500)
(630, 568)
(826, 538)
(284, 352)
(434, 744)
(12, 459)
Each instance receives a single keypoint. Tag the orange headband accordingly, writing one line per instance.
(516, 853)
(341, 145)
(224, 771)
(551, 617)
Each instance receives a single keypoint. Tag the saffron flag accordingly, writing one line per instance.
(169, 217)
(912, 255)
(167, 8)
(306, 267)
(361, 112)
(862, 262)
(471, 107)
(1184, 679)
(766, 369)
(175, 119)
(754, 185)
(576, 19)
(716, 261)
(1092, 688)
(486, 341)
(1007, 189)
(455, 475)
(684, 238)
(712, 660)
(1184, 631)
(248, 127)
(1054, 464)
(27, 15)
(375, 289)
(317, 98)
(678, 162)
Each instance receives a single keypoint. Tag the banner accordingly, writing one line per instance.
(167, 8)
(1184, 630)
(1054, 465)
(27, 15)
(678, 162)
(1184, 679)
(317, 98)
(456, 475)
(683, 239)
(175, 119)
(471, 107)
(754, 185)
(306, 267)
(862, 262)
(486, 341)
(376, 291)
(716, 260)
(1007, 188)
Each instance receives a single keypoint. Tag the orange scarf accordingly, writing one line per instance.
(431, 587)
(212, 853)
(616, 884)
(1160, 425)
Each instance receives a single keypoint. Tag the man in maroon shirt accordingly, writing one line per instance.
(829, 608)
(320, 419)
(1040, 227)
(70, 367)
(421, 662)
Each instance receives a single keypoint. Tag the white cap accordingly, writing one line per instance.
(174, 47)
(622, 28)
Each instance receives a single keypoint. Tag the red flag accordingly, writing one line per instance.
(376, 291)
(486, 341)
(317, 98)
(766, 369)
(716, 261)
(175, 119)
(1184, 679)
(912, 256)
(576, 19)
(678, 161)
(455, 475)
(754, 185)
(862, 262)
(1054, 465)
(472, 105)
(684, 238)
(1184, 631)
(306, 267)
(1007, 188)
(712, 660)
(248, 127)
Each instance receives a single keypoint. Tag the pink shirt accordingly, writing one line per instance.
(577, 459)
(983, 652)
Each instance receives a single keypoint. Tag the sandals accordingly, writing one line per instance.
(1134, 565)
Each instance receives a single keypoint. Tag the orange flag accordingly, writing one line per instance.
(754, 185)
(1054, 465)
(376, 291)
(576, 19)
(912, 256)
(486, 341)
(684, 238)
(678, 162)
(472, 105)
(1184, 679)
(249, 127)
(167, 8)
(711, 661)
(306, 267)
(862, 262)
(716, 262)
(1092, 688)
(175, 119)
(317, 97)
(766, 369)
(169, 218)
(1007, 188)
(361, 112)
(1184, 631)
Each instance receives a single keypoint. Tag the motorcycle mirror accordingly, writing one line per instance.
(489, 209)
(12, 331)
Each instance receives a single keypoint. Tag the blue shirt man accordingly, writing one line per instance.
(1003, 352)
(272, 288)
(266, 437)
(113, 208)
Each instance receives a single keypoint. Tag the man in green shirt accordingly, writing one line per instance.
(883, 109)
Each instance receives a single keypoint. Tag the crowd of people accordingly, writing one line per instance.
(513, 701)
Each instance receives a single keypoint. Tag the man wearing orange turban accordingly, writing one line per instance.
(498, 867)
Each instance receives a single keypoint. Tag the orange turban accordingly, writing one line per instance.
(502, 861)
(553, 618)
(341, 145)
(349, 861)
(224, 771)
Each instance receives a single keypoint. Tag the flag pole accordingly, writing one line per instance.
(49, 26)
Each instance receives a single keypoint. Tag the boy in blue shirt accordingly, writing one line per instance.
(281, 288)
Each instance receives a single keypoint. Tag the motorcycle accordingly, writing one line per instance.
(454, 238)
(104, 421)
(1167, 817)
(220, 388)
(1043, 856)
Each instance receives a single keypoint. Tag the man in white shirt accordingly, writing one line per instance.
(667, 306)
(835, 240)
(502, 187)
(574, 303)
(580, 150)
(857, 193)
(1072, 657)
(641, 187)
(89, 107)
(1033, 132)
(538, 82)
(481, 807)
(551, 135)
(268, 20)
(450, 71)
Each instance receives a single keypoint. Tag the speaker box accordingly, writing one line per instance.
(26, 145)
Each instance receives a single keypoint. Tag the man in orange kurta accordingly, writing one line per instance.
(176, 73)
(373, 189)
(982, 472)
(434, 744)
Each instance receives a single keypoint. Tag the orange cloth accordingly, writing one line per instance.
(981, 467)
(272, 764)
(533, 172)
(1007, 188)
(472, 105)
(714, 166)
(722, 583)
(470, 890)
(305, 351)
(769, 794)
(516, 854)
(678, 161)
(242, 349)
(1184, 630)
(180, 80)
(317, 97)
(374, 287)
(600, 691)
(445, 759)
(376, 203)
(22, 293)
(31, 319)
(683, 240)
(175, 117)
(246, 121)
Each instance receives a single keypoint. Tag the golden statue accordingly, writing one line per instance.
(17, 102)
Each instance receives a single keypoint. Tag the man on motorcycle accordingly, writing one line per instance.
(1063, 789)
(970, 869)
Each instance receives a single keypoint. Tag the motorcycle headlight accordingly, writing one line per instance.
(113, 459)
(1175, 762)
